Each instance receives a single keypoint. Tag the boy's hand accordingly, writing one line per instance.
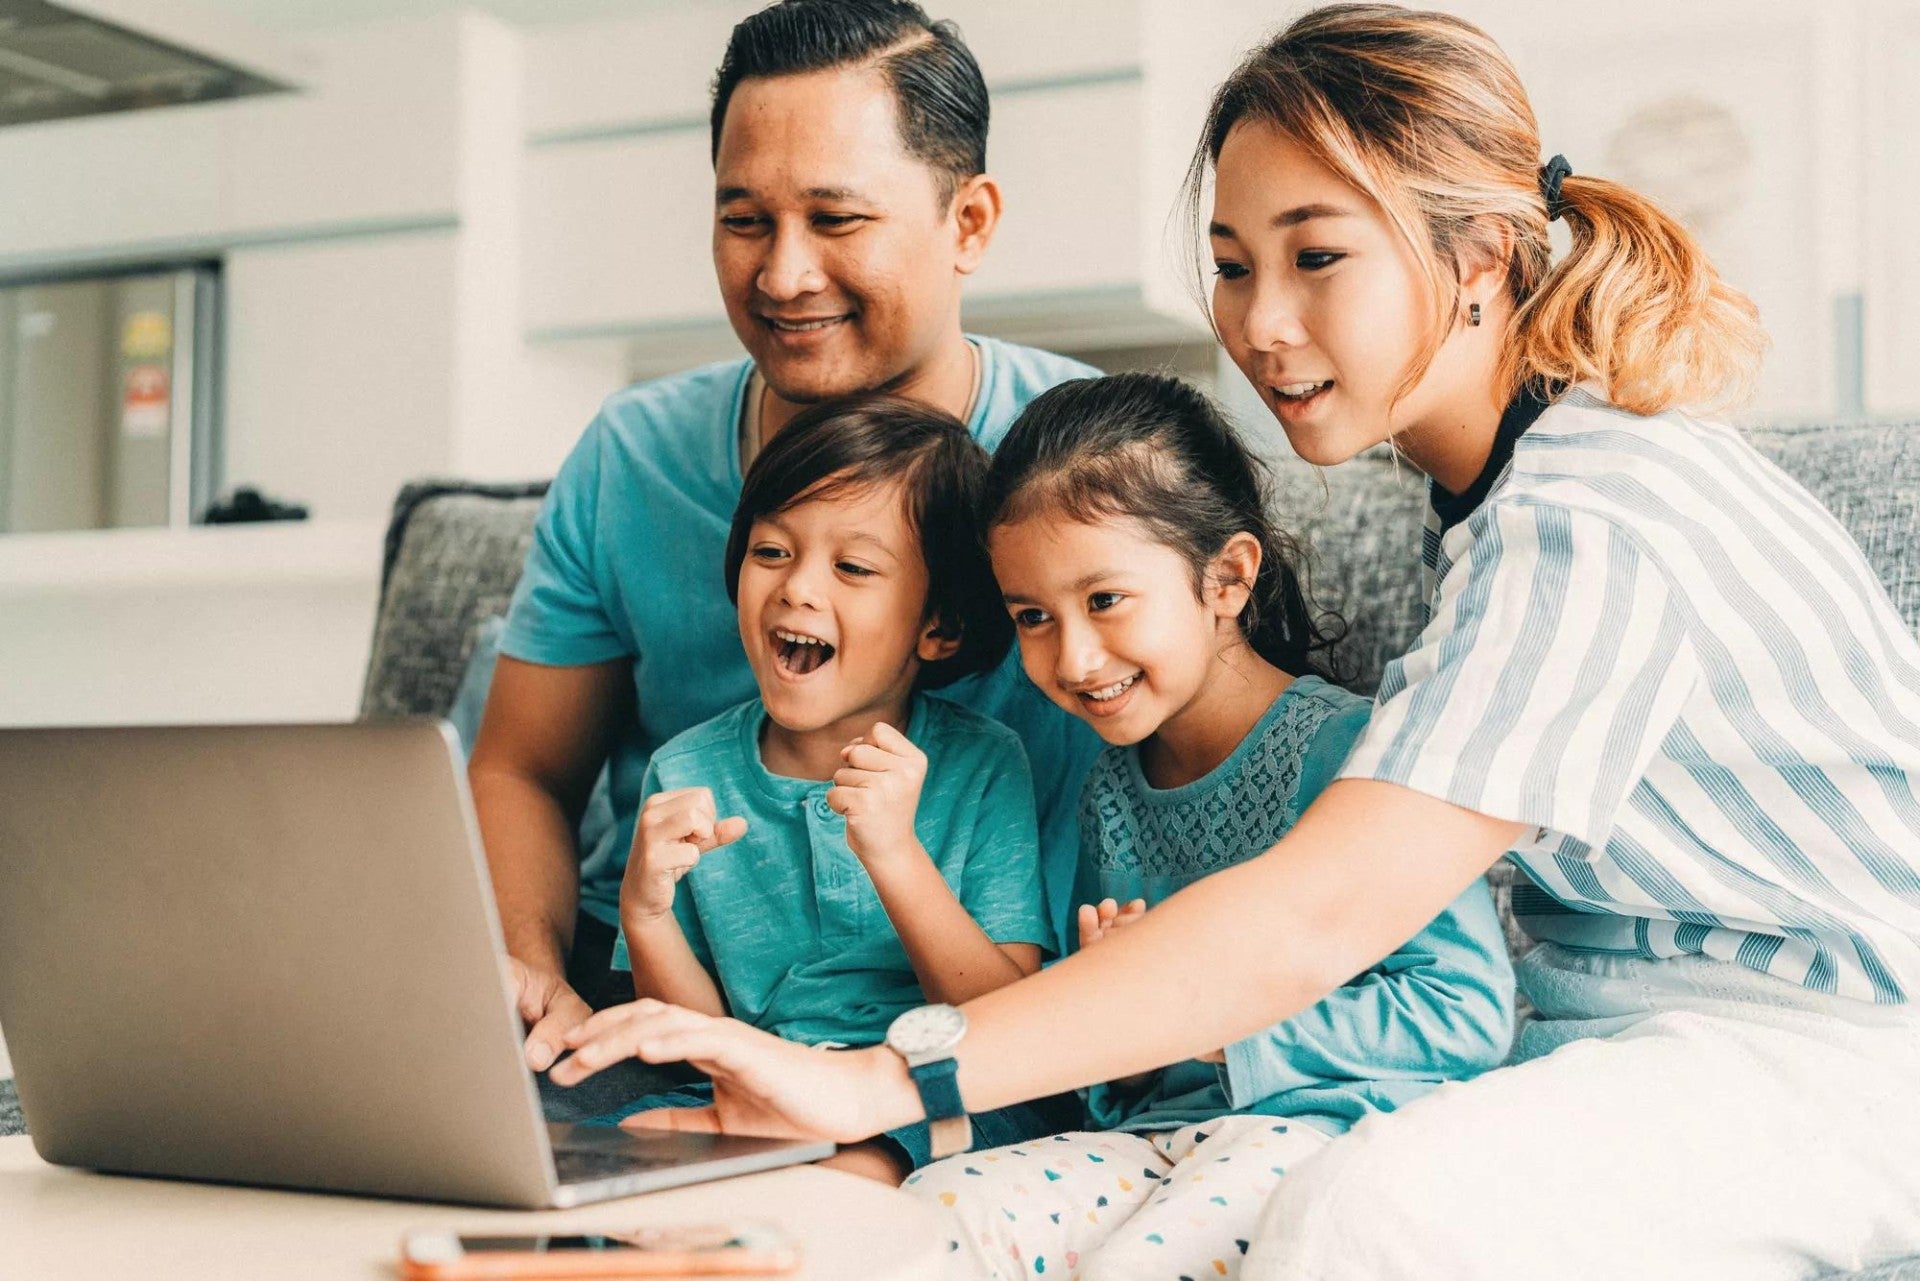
(878, 791)
(1099, 920)
(675, 830)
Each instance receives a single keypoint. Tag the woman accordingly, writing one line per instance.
(1653, 670)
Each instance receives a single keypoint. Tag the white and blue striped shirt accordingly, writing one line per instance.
(1652, 645)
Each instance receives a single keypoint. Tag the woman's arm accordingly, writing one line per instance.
(1439, 1008)
(1365, 868)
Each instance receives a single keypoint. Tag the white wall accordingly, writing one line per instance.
(461, 236)
(371, 231)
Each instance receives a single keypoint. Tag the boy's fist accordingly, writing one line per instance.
(675, 830)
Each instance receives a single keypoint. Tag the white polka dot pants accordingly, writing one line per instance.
(1117, 1207)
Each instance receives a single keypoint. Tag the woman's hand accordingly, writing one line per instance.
(675, 830)
(878, 792)
(761, 1084)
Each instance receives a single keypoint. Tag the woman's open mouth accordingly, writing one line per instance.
(1300, 394)
(799, 654)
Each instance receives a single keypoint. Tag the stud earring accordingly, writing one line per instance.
(1473, 314)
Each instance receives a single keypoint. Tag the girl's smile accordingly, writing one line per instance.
(1112, 628)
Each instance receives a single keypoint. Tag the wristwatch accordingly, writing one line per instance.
(926, 1037)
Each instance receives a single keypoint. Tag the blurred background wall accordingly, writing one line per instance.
(466, 224)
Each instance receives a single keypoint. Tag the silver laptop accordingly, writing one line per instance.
(269, 955)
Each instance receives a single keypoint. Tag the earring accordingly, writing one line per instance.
(1473, 314)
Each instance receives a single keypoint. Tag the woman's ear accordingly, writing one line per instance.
(976, 212)
(1231, 575)
(1485, 266)
(937, 641)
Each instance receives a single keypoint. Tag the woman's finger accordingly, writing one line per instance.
(611, 1017)
(704, 1120)
(637, 1037)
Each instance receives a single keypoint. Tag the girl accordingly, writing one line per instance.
(1153, 598)
(1652, 667)
(843, 848)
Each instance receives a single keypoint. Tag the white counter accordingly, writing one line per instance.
(226, 623)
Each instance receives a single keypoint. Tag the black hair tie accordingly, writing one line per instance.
(1552, 174)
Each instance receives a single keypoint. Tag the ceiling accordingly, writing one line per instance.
(308, 15)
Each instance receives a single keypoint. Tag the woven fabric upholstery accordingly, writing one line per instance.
(454, 552)
(1363, 523)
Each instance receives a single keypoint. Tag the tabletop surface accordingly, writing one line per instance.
(57, 1223)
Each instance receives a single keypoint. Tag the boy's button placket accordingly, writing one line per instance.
(834, 888)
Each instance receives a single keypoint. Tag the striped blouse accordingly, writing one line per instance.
(1652, 646)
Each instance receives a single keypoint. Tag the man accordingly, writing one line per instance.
(851, 199)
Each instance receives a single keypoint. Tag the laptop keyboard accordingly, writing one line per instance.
(584, 1165)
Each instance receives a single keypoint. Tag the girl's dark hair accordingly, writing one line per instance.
(839, 446)
(940, 96)
(1153, 449)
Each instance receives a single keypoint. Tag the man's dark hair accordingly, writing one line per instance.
(847, 445)
(941, 99)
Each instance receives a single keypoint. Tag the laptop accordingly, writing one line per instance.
(269, 955)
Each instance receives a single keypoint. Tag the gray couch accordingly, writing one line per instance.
(454, 552)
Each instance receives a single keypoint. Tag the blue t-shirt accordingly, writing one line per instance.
(628, 562)
(786, 919)
(1439, 1009)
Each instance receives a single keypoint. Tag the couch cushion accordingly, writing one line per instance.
(1363, 522)
(453, 554)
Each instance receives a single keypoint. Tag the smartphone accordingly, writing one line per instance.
(714, 1249)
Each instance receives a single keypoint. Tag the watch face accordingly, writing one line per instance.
(930, 1029)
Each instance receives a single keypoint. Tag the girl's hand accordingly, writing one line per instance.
(675, 830)
(1099, 920)
(878, 790)
(761, 1084)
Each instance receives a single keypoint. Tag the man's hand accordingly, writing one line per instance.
(1101, 919)
(547, 1005)
(761, 1084)
(878, 791)
(675, 830)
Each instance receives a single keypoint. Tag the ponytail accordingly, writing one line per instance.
(1637, 307)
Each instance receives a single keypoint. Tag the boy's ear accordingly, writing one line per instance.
(1231, 576)
(937, 641)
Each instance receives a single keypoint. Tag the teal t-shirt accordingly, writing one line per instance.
(1439, 1009)
(628, 562)
(786, 919)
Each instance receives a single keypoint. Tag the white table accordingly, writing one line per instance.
(57, 1223)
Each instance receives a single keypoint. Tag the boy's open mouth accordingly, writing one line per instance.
(798, 653)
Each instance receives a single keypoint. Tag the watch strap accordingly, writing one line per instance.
(948, 1128)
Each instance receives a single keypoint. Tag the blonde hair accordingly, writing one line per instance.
(1424, 113)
